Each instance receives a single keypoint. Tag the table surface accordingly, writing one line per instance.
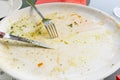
(104, 5)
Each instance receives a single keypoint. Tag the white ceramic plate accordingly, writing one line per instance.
(23, 65)
(7, 7)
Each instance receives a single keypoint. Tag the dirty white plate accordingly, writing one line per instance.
(8, 6)
(100, 53)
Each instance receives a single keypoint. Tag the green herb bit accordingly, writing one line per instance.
(70, 25)
(11, 27)
(34, 26)
(7, 41)
(32, 35)
(12, 32)
(84, 42)
(40, 32)
(61, 40)
(22, 34)
(24, 25)
(20, 29)
(65, 42)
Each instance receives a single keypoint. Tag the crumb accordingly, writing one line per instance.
(40, 64)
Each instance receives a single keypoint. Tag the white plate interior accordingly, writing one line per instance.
(105, 63)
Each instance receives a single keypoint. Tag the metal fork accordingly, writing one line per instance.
(50, 26)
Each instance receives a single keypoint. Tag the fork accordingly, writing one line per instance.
(49, 25)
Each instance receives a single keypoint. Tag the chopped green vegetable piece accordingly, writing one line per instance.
(39, 32)
(7, 41)
(11, 27)
(24, 25)
(61, 40)
(65, 42)
(12, 32)
(70, 25)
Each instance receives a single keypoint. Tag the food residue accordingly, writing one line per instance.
(40, 65)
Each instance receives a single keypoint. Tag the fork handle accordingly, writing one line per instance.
(33, 6)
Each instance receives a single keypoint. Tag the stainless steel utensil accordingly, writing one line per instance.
(47, 22)
(13, 37)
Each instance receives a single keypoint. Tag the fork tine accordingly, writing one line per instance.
(55, 30)
(49, 32)
(51, 29)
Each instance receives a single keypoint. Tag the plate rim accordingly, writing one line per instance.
(113, 69)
